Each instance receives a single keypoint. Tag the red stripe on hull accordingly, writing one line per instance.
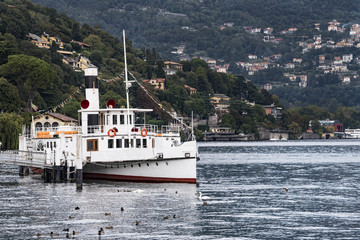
(125, 178)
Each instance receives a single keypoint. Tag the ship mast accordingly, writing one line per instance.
(127, 84)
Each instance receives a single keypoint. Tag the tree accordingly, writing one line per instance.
(10, 128)
(9, 97)
(316, 126)
(29, 73)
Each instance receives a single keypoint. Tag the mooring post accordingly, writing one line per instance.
(78, 163)
(47, 175)
(57, 173)
(72, 172)
(21, 171)
(79, 179)
(26, 171)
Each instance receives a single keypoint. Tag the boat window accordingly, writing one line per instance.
(107, 120)
(110, 143)
(126, 143)
(130, 120)
(114, 119)
(122, 119)
(118, 143)
(54, 144)
(138, 143)
(93, 121)
(144, 143)
(92, 145)
(131, 143)
(153, 143)
(47, 144)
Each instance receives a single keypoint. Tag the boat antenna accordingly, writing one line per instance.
(127, 84)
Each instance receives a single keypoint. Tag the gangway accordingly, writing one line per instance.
(27, 159)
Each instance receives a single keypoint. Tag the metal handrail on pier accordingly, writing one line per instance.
(27, 158)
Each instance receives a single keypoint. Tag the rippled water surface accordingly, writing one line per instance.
(242, 183)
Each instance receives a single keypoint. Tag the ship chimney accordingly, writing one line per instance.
(92, 88)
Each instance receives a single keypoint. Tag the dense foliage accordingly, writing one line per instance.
(164, 24)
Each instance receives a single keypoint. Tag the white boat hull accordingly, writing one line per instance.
(161, 170)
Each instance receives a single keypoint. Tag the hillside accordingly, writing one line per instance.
(207, 27)
(42, 53)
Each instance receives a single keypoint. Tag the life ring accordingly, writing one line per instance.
(111, 133)
(144, 132)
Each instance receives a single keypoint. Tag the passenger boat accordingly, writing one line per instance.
(108, 144)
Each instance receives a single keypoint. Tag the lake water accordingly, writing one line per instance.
(242, 182)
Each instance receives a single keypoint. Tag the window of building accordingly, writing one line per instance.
(55, 125)
(47, 126)
(144, 143)
(92, 145)
(138, 143)
(38, 126)
(110, 143)
(114, 119)
(126, 144)
(118, 143)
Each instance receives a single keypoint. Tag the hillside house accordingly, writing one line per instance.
(38, 41)
(289, 65)
(70, 61)
(252, 56)
(347, 58)
(171, 68)
(268, 87)
(297, 60)
(268, 31)
(303, 84)
(50, 39)
(303, 78)
(346, 79)
(273, 110)
(190, 89)
(158, 83)
(84, 63)
(221, 102)
(83, 45)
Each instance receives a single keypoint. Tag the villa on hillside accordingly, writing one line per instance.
(171, 68)
(158, 83)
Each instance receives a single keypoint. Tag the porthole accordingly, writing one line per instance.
(132, 165)
(139, 164)
(124, 166)
(147, 164)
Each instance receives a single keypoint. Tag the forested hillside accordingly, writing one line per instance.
(35, 80)
(198, 24)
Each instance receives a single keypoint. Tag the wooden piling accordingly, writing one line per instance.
(79, 179)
